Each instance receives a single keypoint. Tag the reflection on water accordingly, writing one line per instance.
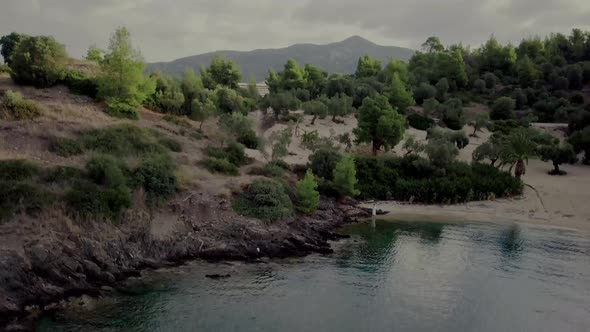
(386, 277)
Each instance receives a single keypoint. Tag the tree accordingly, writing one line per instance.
(281, 140)
(494, 56)
(121, 77)
(221, 72)
(323, 162)
(489, 150)
(479, 121)
(190, 85)
(574, 76)
(399, 98)
(379, 124)
(93, 54)
(201, 111)
(291, 77)
(236, 126)
(272, 81)
(479, 86)
(491, 80)
(315, 80)
(396, 67)
(340, 106)
(38, 61)
(315, 108)
(580, 140)
(442, 88)
(527, 72)
(424, 91)
(367, 67)
(280, 103)
(503, 109)
(517, 147)
(432, 44)
(558, 154)
(338, 85)
(411, 145)
(345, 177)
(441, 152)
(452, 114)
(306, 191)
(9, 44)
(229, 101)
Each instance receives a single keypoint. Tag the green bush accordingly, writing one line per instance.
(122, 109)
(90, 199)
(171, 144)
(419, 121)
(5, 69)
(61, 174)
(272, 171)
(38, 61)
(24, 197)
(122, 140)
(249, 139)
(78, 83)
(65, 147)
(223, 166)
(106, 170)
(13, 106)
(308, 197)
(181, 122)
(156, 176)
(234, 153)
(264, 199)
(503, 109)
(18, 170)
(323, 162)
(345, 180)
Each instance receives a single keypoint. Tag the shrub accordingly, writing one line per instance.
(5, 69)
(24, 197)
(15, 107)
(419, 121)
(121, 109)
(65, 147)
(249, 139)
(264, 199)
(106, 170)
(323, 162)
(577, 98)
(156, 176)
(181, 122)
(122, 140)
(38, 61)
(345, 177)
(441, 152)
(90, 199)
(78, 83)
(479, 86)
(171, 144)
(222, 166)
(424, 91)
(61, 174)
(272, 171)
(308, 197)
(18, 170)
(503, 109)
(234, 153)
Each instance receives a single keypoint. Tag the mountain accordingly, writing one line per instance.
(340, 57)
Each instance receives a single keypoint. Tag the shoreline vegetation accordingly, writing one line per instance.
(106, 171)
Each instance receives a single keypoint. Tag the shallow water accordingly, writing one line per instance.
(386, 277)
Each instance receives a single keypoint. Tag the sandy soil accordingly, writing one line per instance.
(560, 201)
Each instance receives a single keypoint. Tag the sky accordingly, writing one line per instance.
(168, 29)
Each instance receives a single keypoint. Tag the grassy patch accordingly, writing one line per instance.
(65, 147)
(18, 197)
(121, 109)
(62, 174)
(223, 166)
(123, 140)
(14, 107)
(171, 144)
(234, 153)
(177, 121)
(18, 170)
(90, 199)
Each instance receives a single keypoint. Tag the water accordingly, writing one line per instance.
(386, 277)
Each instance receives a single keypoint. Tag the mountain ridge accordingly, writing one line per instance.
(336, 57)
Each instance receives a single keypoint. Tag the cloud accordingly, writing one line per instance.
(165, 30)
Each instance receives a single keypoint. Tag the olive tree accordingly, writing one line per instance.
(558, 154)
(379, 124)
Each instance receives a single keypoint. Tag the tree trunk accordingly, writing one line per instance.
(520, 169)
(493, 162)
(201, 125)
(376, 146)
(474, 132)
(313, 120)
(556, 166)
(333, 118)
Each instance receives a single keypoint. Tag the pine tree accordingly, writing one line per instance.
(308, 197)
(345, 177)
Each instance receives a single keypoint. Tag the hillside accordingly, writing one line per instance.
(340, 57)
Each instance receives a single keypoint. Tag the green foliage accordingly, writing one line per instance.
(79, 83)
(281, 140)
(38, 61)
(222, 166)
(419, 121)
(280, 103)
(14, 107)
(121, 81)
(345, 180)
(156, 176)
(315, 80)
(340, 106)
(9, 44)
(413, 178)
(479, 86)
(191, 86)
(399, 97)
(379, 124)
(18, 170)
(442, 88)
(580, 140)
(171, 144)
(241, 128)
(65, 147)
(221, 72)
(291, 78)
(411, 145)
(503, 109)
(201, 111)
(432, 44)
(490, 150)
(479, 121)
(123, 109)
(452, 114)
(441, 152)
(315, 108)
(89, 199)
(455, 137)
(367, 67)
(234, 153)
(424, 91)
(62, 174)
(229, 101)
(93, 54)
(323, 162)
(264, 199)
(122, 140)
(307, 195)
(527, 72)
(17, 197)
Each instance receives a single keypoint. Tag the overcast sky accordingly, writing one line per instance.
(169, 29)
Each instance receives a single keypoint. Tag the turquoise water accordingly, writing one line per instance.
(386, 277)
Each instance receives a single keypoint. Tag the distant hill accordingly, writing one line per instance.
(340, 57)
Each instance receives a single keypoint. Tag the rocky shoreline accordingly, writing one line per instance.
(51, 258)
